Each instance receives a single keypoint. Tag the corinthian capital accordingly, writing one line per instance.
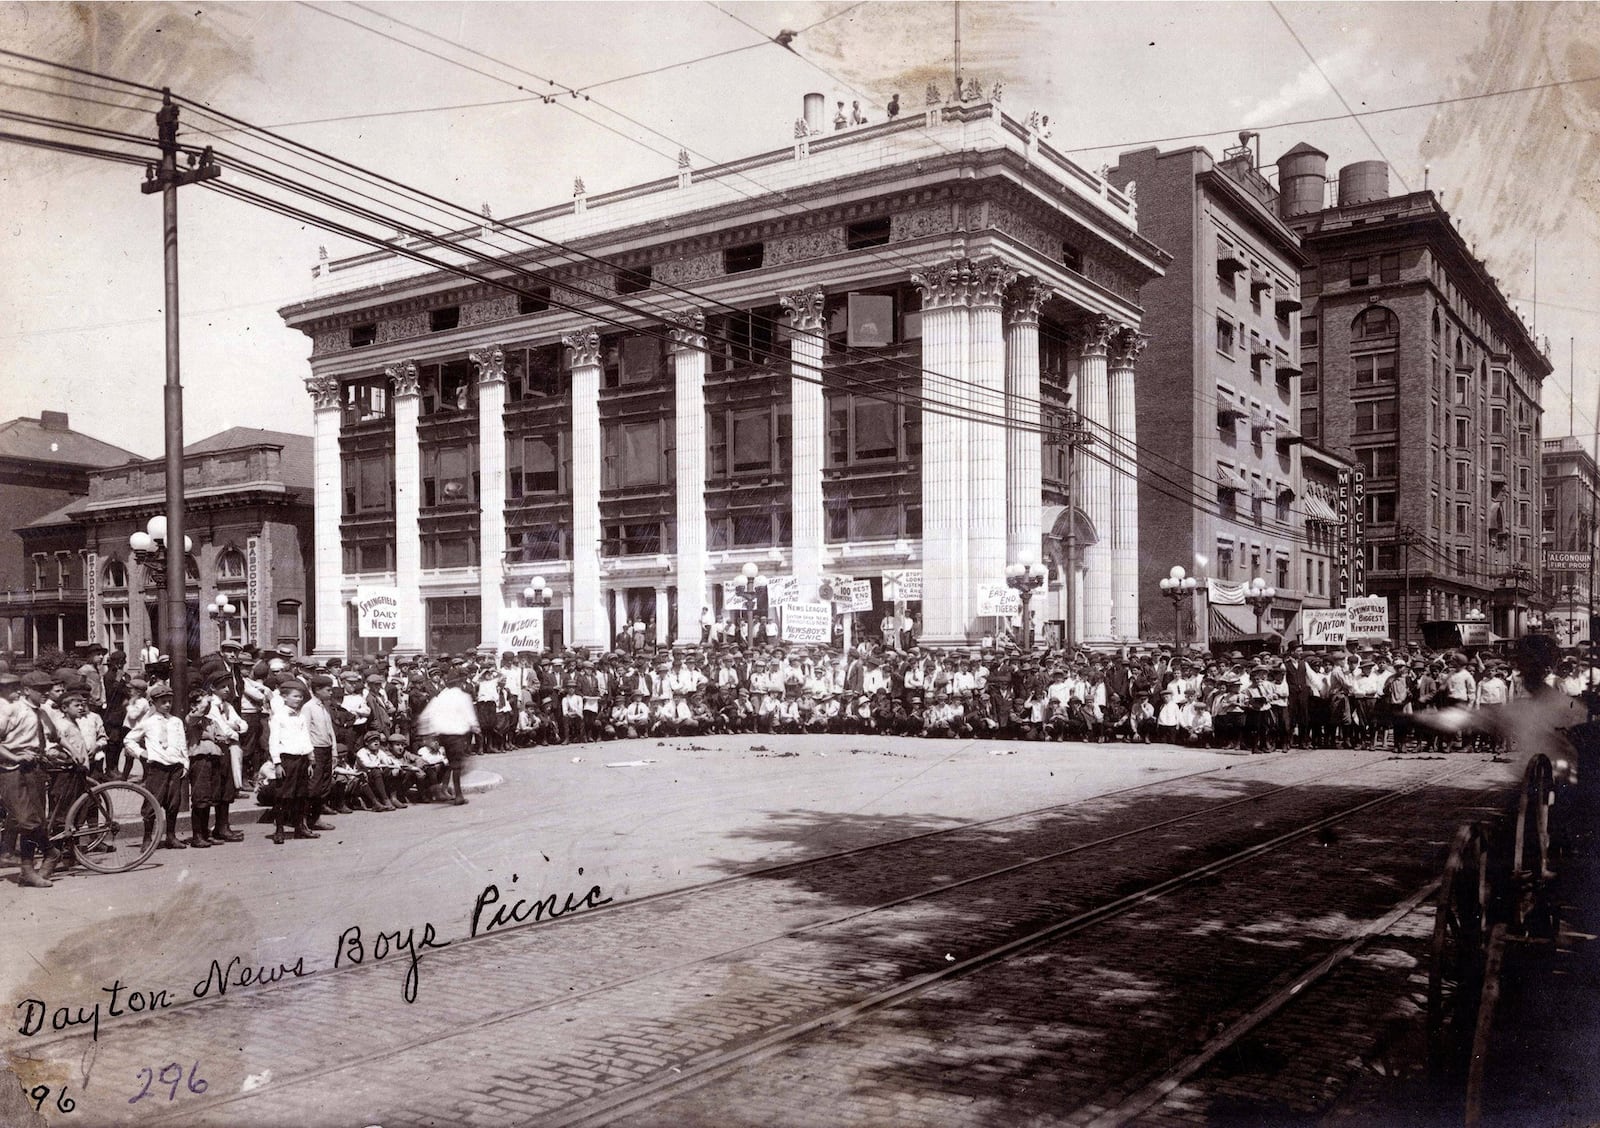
(805, 308)
(688, 330)
(490, 362)
(324, 392)
(585, 346)
(989, 282)
(1094, 334)
(1023, 299)
(946, 283)
(1127, 343)
(404, 376)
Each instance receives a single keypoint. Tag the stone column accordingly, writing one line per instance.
(1024, 494)
(986, 429)
(808, 425)
(490, 362)
(588, 606)
(327, 556)
(663, 613)
(407, 504)
(1126, 345)
(689, 434)
(619, 614)
(946, 297)
(1094, 475)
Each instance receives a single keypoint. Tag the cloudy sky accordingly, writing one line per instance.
(440, 96)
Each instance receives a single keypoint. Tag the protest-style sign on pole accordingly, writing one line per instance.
(521, 628)
(902, 586)
(1369, 618)
(377, 611)
(999, 599)
(809, 624)
(1324, 626)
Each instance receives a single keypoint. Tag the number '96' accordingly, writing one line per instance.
(171, 1074)
(41, 1093)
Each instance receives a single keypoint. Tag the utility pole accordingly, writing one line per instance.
(1073, 435)
(167, 178)
(1405, 534)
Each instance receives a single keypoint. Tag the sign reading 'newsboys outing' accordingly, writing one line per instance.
(377, 612)
(521, 628)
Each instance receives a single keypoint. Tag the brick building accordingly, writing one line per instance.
(845, 371)
(1223, 495)
(1567, 525)
(44, 470)
(1416, 367)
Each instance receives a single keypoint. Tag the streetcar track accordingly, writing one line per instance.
(916, 984)
(707, 1068)
(684, 891)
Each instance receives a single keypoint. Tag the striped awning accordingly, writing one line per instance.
(1261, 420)
(1317, 509)
(1230, 479)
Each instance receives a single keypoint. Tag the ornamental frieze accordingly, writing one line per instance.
(936, 220)
(1011, 222)
(699, 268)
(496, 308)
(402, 328)
(331, 340)
(806, 245)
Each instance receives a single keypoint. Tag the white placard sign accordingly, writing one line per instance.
(377, 612)
(860, 596)
(521, 628)
(906, 586)
(998, 599)
(836, 589)
(1369, 617)
(1324, 626)
(810, 624)
(736, 599)
(782, 591)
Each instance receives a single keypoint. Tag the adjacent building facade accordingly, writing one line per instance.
(1416, 367)
(44, 470)
(1567, 536)
(1222, 495)
(857, 355)
(248, 515)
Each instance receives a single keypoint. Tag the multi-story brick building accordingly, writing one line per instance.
(1222, 494)
(1567, 526)
(850, 355)
(1417, 368)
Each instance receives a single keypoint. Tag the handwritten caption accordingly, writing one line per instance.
(492, 909)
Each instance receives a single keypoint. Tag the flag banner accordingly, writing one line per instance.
(1225, 592)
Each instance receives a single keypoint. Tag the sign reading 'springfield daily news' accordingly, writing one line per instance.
(377, 612)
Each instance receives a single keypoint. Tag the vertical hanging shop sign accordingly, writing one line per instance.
(256, 618)
(1358, 532)
(91, 592)
(1342, 537)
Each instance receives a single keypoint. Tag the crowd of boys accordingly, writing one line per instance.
(379, 735)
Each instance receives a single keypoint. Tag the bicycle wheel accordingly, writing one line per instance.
(113, 815)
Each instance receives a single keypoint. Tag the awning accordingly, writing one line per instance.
(1229, 478)
(1287, 491)
(1316, 509)
(1283, 365)
(1261, 490)
(1286, 306)
(1228, 260)
(1261, 420)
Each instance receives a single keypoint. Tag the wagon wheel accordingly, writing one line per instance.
(1456, 963)
(1531, 848)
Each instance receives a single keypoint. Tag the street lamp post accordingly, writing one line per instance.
(1404, 535)
(1024, 577)
(1259, 595)
(1178, 587)
(538, 594)
(751, 582)
(149, 548)
(220, 611)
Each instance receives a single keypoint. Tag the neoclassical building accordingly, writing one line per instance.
(855, 355)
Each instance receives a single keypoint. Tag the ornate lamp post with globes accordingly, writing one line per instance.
(749, 586)
(538, 594)
(1179, 587)
(221, 611)
(1024, 577)
(1259, 595)
(149, 547)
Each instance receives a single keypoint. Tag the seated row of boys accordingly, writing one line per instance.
(382, 773)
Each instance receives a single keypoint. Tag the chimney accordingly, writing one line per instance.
(53, 421)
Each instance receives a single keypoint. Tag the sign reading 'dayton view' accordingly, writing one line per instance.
(1324, 626)
(377, 612)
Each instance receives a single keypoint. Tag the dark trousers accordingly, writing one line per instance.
(321, 779)
(65, 785)
(22, 794)
(253, 745)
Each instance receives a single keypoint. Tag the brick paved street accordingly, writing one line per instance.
(529, 1024)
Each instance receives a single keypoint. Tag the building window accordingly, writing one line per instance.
(1373, 368)
(1358, 272)
(1374, 415)
(453, 625)
(1497, 420)
(1497, 461)
(536, 373)
(536, 300)
(1436, 324)
(751, 256)
(369, 556)
(449, 550)
(114, 620)
(440, 320)
(642, 538)
(1225, 335)
(1461, 517)
(366, 400)
(1071, 257)
(862, 430)
(1374, 322)
(866, 233)
(635, 455)
(1311, 423)
(635, 281)
(632, 360)
(1463, 432)
(363, 335)
(536, 543)
(1310, 378)
(450, 476)
(1310, 333)
(445, 387)
(535, 466)
(1522, 478)
(1380, 508)
(746, 338)
(1522, 515)
(368, 484)
(1383, 557)
(231, 564)
(1377, 462)
(116, 574)
(1463, 476)
(1389, 268)
(1224, 561)
(286, 626)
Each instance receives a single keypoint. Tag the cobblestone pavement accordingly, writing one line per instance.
(530, 1024)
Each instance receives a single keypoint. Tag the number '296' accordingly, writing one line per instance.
(171, 1074)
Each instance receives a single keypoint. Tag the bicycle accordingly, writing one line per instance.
(108, 814)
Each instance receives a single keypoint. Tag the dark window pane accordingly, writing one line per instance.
(752, 441)
(874, 522)
(752, 529)
(875, 429)
(540, 473)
